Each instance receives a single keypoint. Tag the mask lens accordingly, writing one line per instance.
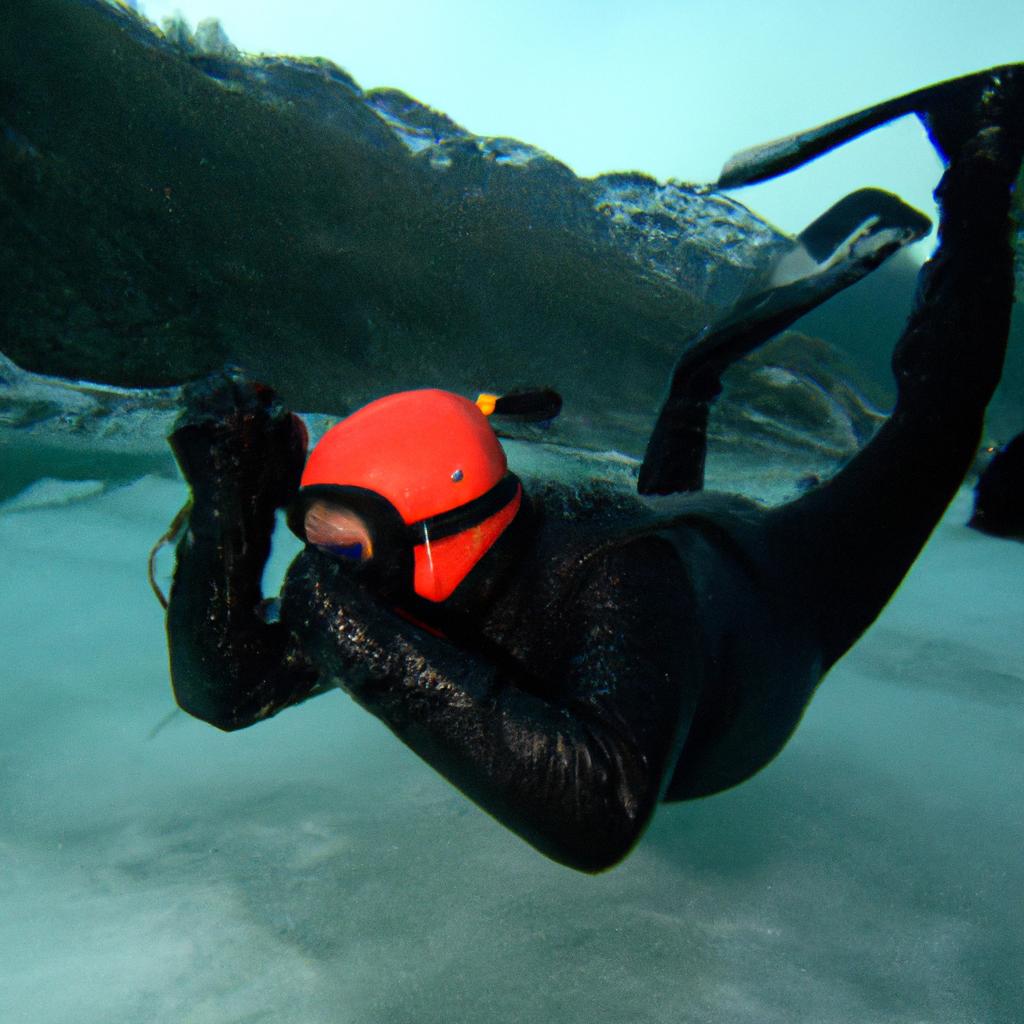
(338, 532)
(353, 552)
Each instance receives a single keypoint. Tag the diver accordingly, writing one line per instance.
(569, 671)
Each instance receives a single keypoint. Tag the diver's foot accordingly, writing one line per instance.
(981, 112)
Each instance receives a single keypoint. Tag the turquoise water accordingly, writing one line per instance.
(311, 870)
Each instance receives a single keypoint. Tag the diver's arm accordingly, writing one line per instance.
(576, 774)
(241, 455)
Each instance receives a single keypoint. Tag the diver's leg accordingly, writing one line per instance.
(841, 247)
(843, 549)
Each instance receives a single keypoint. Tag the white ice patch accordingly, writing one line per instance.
(49, 492)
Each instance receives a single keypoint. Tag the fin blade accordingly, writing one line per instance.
(760, 163)
(770, 159)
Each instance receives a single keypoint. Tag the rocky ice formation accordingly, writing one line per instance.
(185, 205)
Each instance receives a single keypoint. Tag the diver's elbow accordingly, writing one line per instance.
(198, 703)
(225, 722)
(596, 852)
(597, 861)
(224, 719)
(605, 836)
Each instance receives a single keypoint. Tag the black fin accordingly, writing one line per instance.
(866, 208)
(774, 158)
(674, 460)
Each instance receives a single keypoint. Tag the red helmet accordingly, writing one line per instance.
(437, 464)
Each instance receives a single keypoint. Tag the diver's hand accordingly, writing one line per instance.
(236, 440)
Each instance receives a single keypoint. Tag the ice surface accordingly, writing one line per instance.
(311, 870)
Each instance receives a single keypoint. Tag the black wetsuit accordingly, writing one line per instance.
(590, 667)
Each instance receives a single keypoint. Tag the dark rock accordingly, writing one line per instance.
(999, 493)
(794, 393)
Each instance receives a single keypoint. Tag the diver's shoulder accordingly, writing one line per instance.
(604, 512)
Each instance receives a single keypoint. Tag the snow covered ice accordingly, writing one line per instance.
(311, 870)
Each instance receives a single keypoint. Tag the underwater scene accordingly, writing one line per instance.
(498, 706)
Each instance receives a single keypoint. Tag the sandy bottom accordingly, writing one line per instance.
(311, 870)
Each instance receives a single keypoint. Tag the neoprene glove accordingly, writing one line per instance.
(235, 441)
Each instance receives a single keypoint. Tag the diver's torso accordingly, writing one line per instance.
(757, 665)
(760, 661)
(761, 664)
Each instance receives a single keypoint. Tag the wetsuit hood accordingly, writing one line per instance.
(426, 472)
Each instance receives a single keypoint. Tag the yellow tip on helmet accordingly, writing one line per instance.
(486, 403)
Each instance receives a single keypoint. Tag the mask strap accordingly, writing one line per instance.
(474, 512)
